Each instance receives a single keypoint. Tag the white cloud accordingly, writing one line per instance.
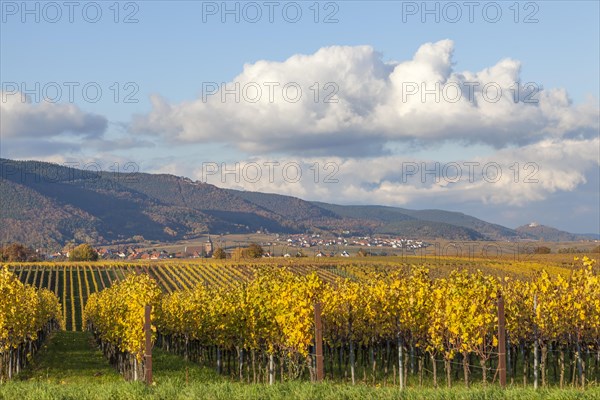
(509, 177)
(23, 119)
(377, 103)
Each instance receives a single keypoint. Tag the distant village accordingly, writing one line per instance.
(331, 247)
(295, 245)
(315, 240)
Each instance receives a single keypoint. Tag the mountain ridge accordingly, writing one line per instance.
(547, 233)
(45, 204)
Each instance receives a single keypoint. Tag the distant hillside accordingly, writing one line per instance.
(492, 231)
(541, 232)
(393, 218)
(46, 205)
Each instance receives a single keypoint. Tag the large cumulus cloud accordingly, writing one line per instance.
(421, 100)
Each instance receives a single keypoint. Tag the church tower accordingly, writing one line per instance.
(208, 247)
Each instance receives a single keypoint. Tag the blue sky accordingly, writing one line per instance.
(171, 48)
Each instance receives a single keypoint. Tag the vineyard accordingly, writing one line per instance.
(407, 324)
(73, 283)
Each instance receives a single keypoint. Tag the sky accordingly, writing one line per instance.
(487, 108)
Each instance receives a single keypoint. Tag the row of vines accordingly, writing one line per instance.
(397, 326)
(27, 316)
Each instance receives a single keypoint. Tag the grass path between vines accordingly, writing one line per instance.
(70, 367)
(67, 358)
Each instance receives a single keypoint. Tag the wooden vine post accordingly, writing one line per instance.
(501, 341)
(148, 345)
(319, 343)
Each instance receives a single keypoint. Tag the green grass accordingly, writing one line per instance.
(70, 358)
(178, 389)
(69, 367)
